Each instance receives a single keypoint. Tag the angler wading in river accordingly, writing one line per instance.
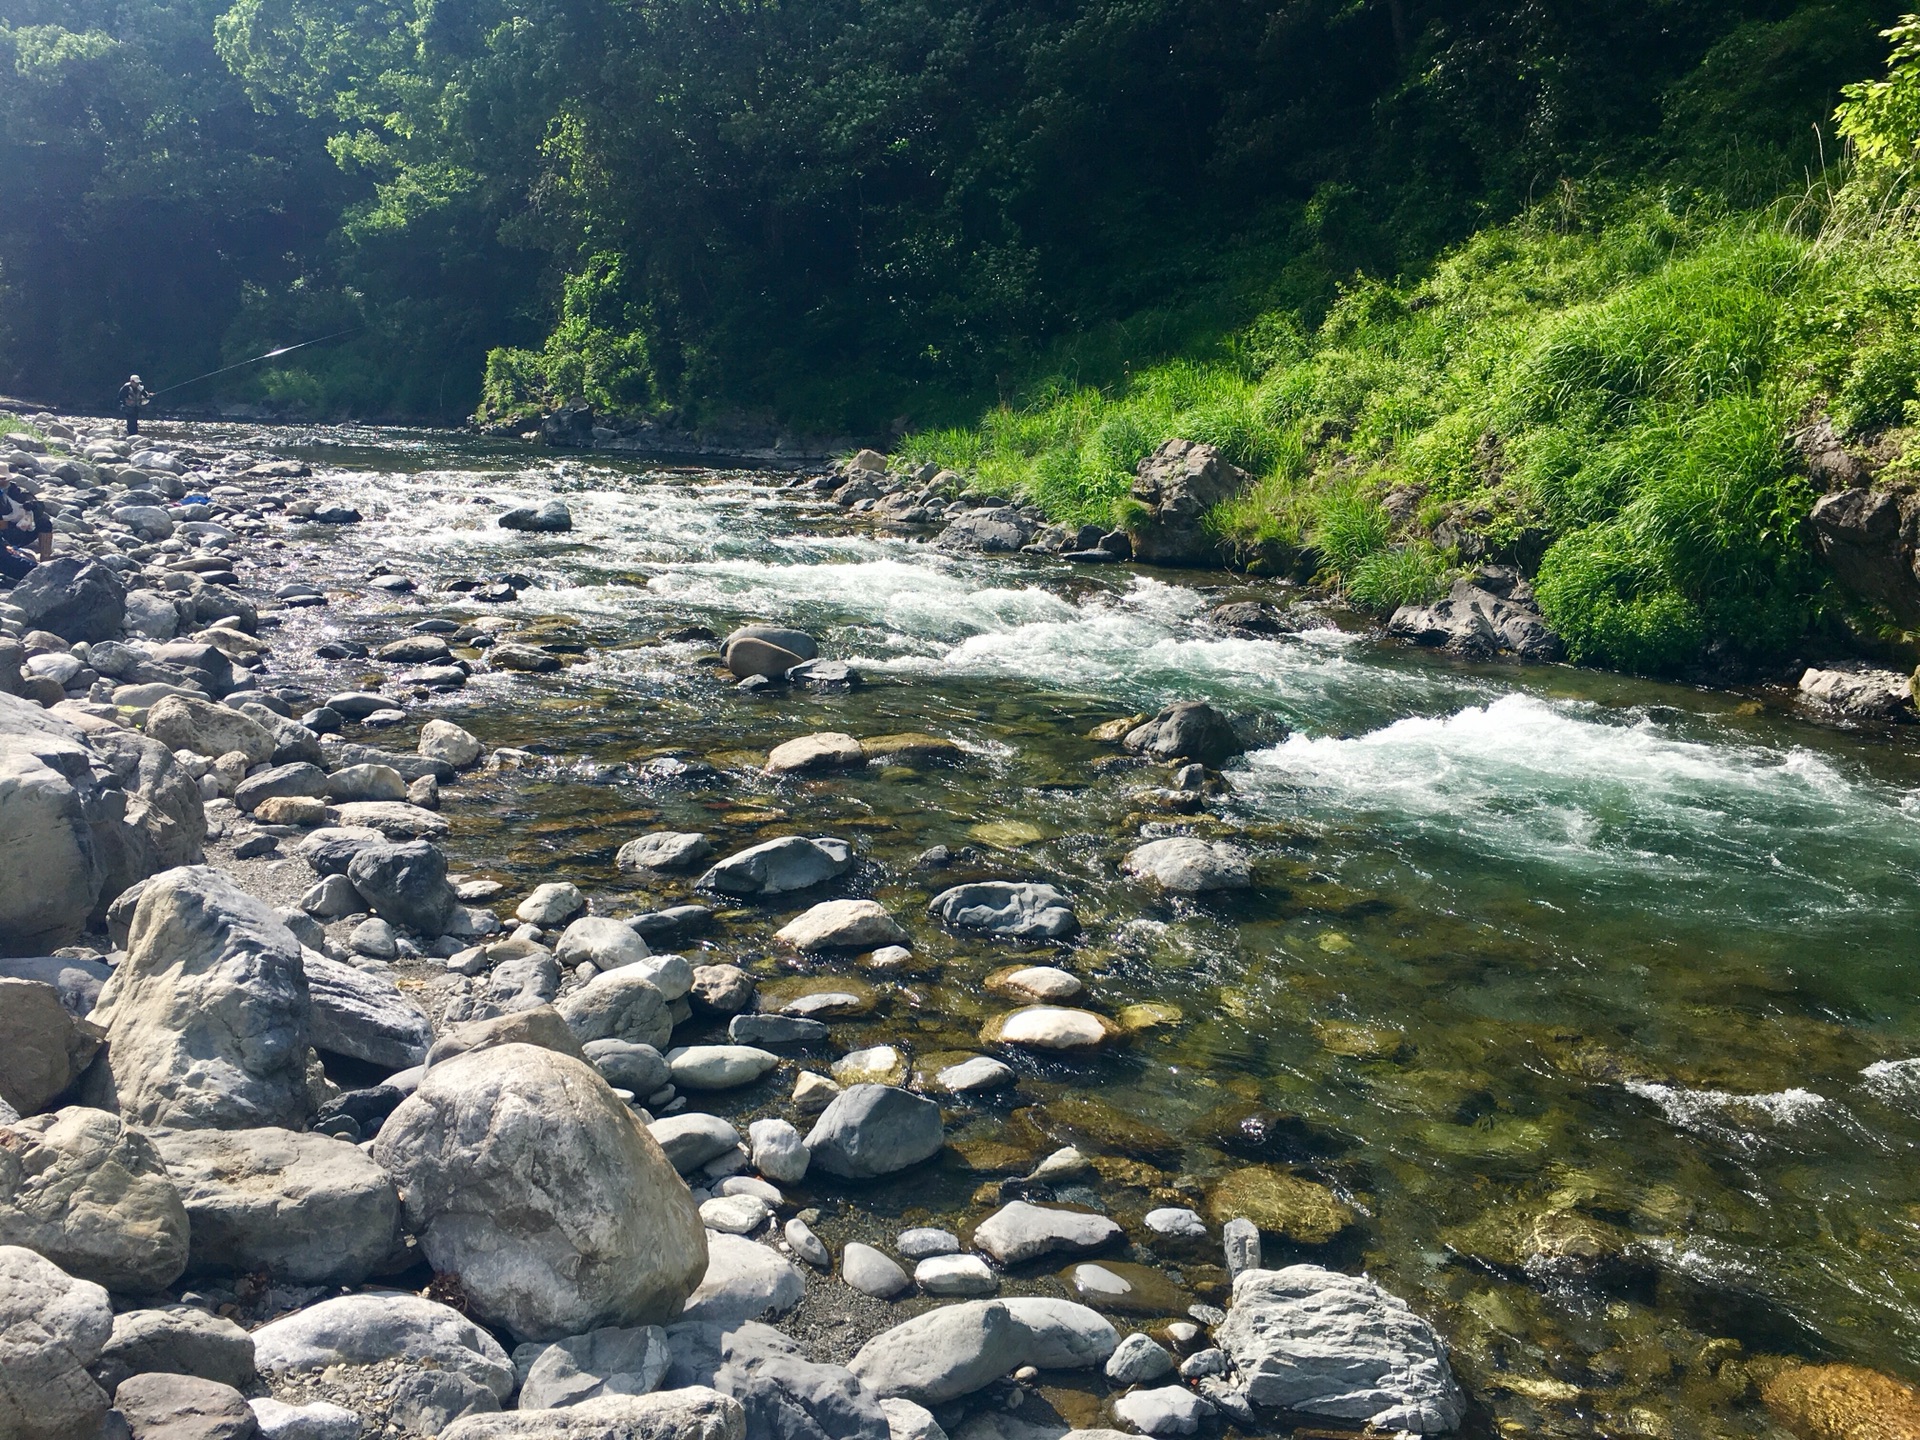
(133, 398)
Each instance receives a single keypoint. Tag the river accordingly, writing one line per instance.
(1593, 998)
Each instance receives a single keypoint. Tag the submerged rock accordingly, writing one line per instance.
(1007, 910)
(1842, 1402)
(1188, 865)
(775, 867)
(1282, 1204)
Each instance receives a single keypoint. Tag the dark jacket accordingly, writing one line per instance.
(22, 518)
(132, 396)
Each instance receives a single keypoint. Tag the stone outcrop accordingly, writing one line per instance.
(1871, 541)
(1484, 615)
(52, 1328)
(1178, 484)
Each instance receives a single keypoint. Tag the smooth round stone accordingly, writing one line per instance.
(982, 1072)
(552, 903)
(842, 925)
(735, 1214)
(718, 1067)
(1168, 1410)
(924, 1241)
(816, 754)
(303, 811)
(871, 1272)
(880, 1065)
(382, 719)
(807, 1245)
(955, 1275)
(888, 957)
(1176, 1221)
(813, 1093)
(1050, 1027)
(751, 1185)
(1037, 982)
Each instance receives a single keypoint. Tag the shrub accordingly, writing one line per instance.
(1402, 575)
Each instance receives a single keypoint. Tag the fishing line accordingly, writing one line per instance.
(242, 364)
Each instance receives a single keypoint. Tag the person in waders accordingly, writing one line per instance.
(25, 529)
(133, 396)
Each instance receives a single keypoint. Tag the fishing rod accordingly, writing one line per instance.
(242, 364)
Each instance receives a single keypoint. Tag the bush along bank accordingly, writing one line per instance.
(1648, 416)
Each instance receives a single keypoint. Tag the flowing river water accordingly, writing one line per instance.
(1592, 998)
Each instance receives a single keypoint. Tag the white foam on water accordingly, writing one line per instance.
(1892, 1080)
(1577, 786)
(1740, 1119)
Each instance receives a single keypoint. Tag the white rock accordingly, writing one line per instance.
(445, 741)
(52, 1327)
(1137, 1360)
(1188, 865)
(982, 1072)
(1050, 1027)
(744, 1281)
(842, 925)
(1168, 1410)
(735, 1214)
(603, 943)
(719, 1067)
(551, 904)
(378, 1326)
(816, 754)
(1019, 1231)
(871, 1272)
(955, 1275)
(778, 1151)
(319, 1420)
(1176, 1220)
(908, 1421)
(1042, 982)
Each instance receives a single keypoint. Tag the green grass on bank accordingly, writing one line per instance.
(1613, 399)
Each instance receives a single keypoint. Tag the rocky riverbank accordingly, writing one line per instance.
(312, 1135)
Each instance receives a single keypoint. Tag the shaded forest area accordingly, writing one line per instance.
(838, 214)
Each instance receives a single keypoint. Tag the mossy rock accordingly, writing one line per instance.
(1088, 1120)
(1842, 1402)
(1353, 1041)
(995, 1157)
(1006, 834)
(1302, 1211)
(1140, 1289)
(1111, 732)
(909, 749)
(1562, 1240)
(1149, 1015)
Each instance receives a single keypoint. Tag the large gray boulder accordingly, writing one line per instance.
(208, 1018)
(52, 1327)
(872, 1130)
(1190, 730)
(405, 884)
(744, 1280)
(166, 821)
(177, 1340)
(1188, 865)
(363, 1015)
(616, 1360)
(621, 1004)
(93, 1196)
(1312, 1341)
(75, 597)
(991, 531)
(692, 1414)
(58, 818)
(43, 1049)
(1178, 484)
(1871, 539)
(786, 1394)
(528, 1178)
(1007, 910)
(184, 1407)
(303, 1207)
(182, 723)
(1858, 694)
(943, 1354)
(775, 867)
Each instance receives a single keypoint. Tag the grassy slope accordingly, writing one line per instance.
(1613, 398)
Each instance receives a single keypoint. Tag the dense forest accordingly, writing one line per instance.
(1546, 281)
(826, 212)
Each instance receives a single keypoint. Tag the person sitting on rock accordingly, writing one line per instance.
(133, 398)
(25, 528)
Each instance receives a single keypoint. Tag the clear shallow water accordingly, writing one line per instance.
(1534, 953)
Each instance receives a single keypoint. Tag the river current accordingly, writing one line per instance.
(1593, 998)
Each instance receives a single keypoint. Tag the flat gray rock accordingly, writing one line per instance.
(776, 867)
(621, 1004)
(610, 1361)
(689, 1414)
(363, 1015)
(871, 1272)
(691, 1140)
(1188, 865)
(184, 1407)
(944, 1353)
(872, 1130)
(177, 1340)
(1168, 1410)
(1020, 1231)
(299, 1206)
(664, 850)
(744, 1281)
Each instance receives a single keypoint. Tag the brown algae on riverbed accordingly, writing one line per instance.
(1556, 1006)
